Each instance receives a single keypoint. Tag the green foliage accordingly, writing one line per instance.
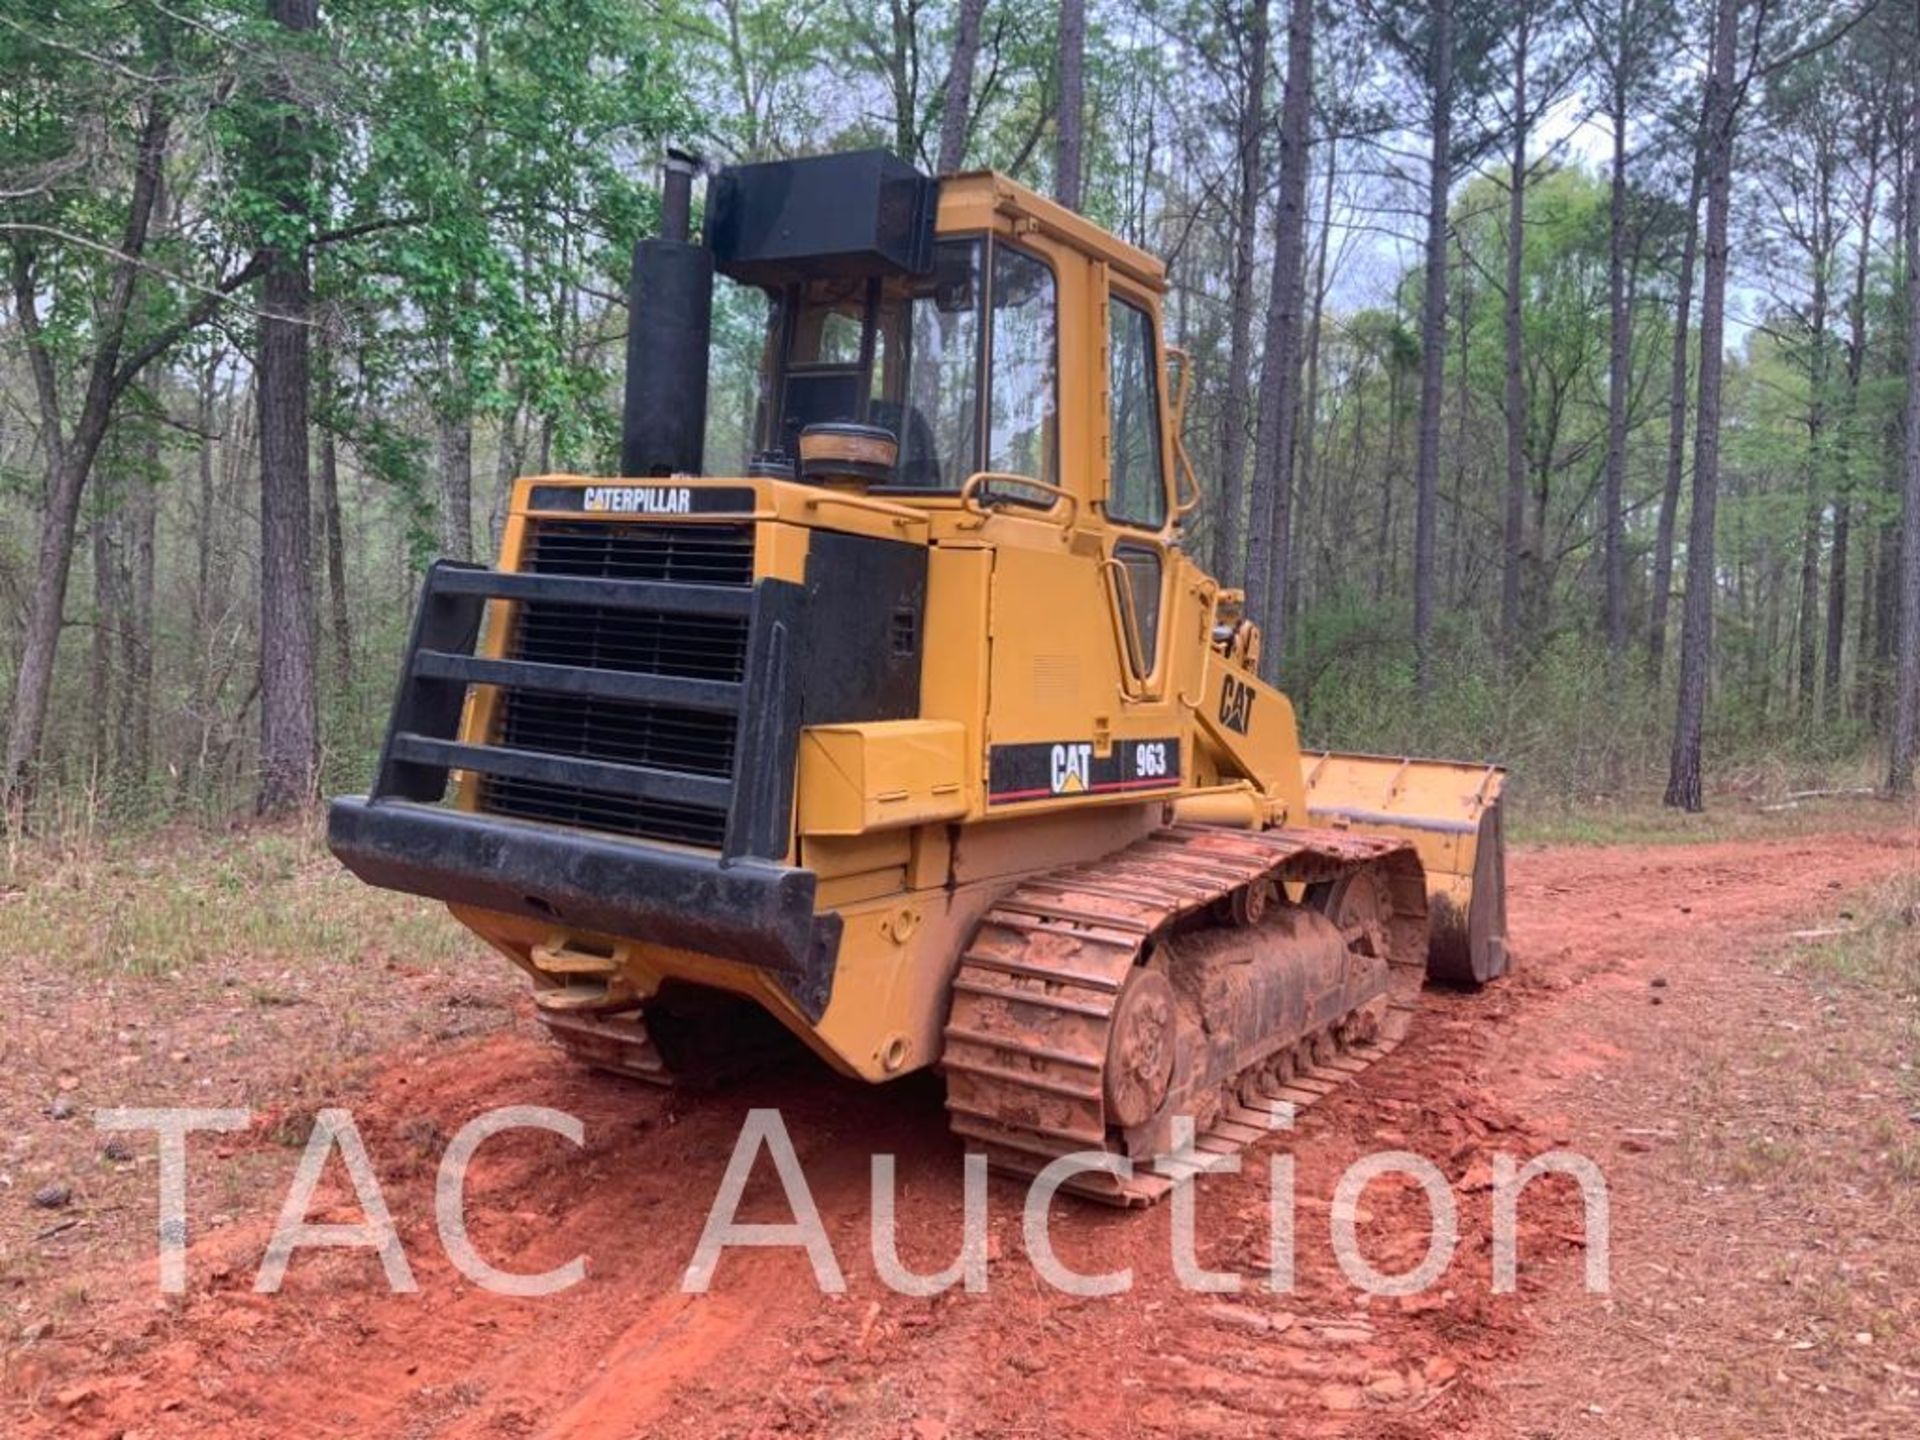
(505, 165)
(78, 85)
(1555, 721)
(1567, 734)
(470, 176)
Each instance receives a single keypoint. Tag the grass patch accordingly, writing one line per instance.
(1879, 943)
(1649, 823)
(158, 905)
(1645, 821)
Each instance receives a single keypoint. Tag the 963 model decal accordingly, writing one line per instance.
(1049, 769)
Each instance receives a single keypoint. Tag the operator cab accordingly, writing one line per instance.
(920, 338)
(959, 343)
(907, 357)
(893, 359)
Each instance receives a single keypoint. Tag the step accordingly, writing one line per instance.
(577, 996)
(562, 960)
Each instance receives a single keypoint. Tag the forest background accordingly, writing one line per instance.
(1555, 361)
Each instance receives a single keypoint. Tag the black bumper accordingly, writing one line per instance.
(751, 911)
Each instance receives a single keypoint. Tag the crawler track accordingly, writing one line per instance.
(618, 1044)
(1037, 1024)
(688, 1039)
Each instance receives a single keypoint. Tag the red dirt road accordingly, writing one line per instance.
(627, 1354)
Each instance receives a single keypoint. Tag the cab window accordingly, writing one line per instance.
(938, 377)
(903, 354)
(960, 365)
(1021, 405)
(1137, 494)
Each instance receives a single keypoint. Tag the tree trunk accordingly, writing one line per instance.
(1069, 125)
(1541, 561)
(1384, 550)
(108, 614)
(1906, 715)
(1462, 413)
(1863, 657)
(336, 560)
(1833, 692)
(1806, 633)
(1513, 549)
(1684, 781)
(1433, 342)
(506, 466)
(1228, 551)
(453, 449)
(1773, 585)
(70, 457)
(1821, 255)
(1676, 439)
(1280, 370)
(288, 740)
(207, 415)
(902, 70)
(957, 103)
(1881, 607)
(134, 751)
(1806, 629)
(1613, 528)
(1307, 488)
(1886, 611)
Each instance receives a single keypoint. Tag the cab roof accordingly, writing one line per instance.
(975, 199)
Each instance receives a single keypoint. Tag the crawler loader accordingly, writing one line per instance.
(918, 732)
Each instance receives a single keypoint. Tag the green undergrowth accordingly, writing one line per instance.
(165, 900)
(1873, 940)
(1644, 820)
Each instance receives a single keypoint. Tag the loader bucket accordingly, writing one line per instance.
(1450, 812)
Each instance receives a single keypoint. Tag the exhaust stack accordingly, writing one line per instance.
(669, 322)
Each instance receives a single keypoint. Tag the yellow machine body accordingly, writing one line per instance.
(1082, 682)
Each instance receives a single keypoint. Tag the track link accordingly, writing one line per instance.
(617, 1044)
(687, 1038)
(1031, 1033)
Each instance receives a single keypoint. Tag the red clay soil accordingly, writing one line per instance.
(626, 1353)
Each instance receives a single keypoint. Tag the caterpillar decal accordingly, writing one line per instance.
(1047, 769)
(643, 499)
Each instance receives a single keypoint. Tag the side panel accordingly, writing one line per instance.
(880, 776)
(1063, 730)
(1250, 730)
(866, 602)
(954, 670)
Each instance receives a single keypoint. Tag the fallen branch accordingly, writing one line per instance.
(1794, 798)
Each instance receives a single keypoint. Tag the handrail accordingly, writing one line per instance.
(1126, 629)
(1180, 353)
(970, 495)
(1182, 462)
(901, 514)
(1183, 470)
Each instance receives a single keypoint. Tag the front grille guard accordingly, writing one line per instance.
(423, 744)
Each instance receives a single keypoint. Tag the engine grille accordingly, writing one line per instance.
(691, 646)
(661, 737)
(597, 810)
(634, 550)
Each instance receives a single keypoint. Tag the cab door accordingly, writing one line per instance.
(1139, 500)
